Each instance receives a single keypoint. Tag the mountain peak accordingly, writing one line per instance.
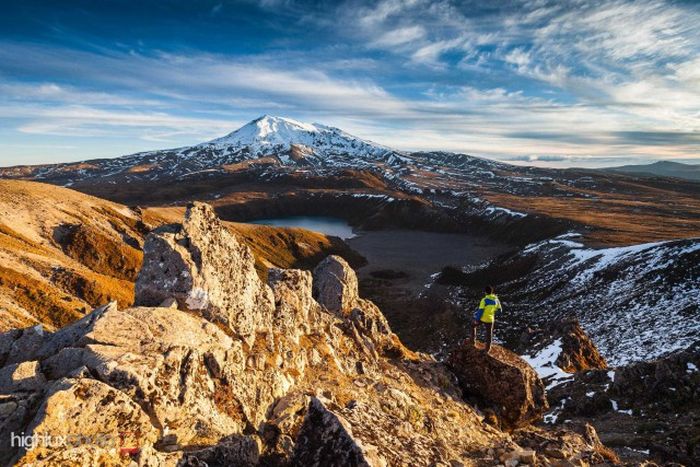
(270, 134)
(269, 129)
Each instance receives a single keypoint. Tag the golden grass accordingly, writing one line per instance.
(618, 220)
(100, 253)
(9, 240)
(48, 304)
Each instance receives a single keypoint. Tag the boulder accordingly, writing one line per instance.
(27, 344)
(88, 412)
(7, 339)
(335, 285)
(502, 380)
(578, 352)
(206, 269)
(16, 410)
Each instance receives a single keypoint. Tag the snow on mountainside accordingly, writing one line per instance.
(639, 302)
(271, 135)
(265, 141)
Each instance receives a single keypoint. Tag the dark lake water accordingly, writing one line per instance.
(326, 225)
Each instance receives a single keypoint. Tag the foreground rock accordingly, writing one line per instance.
(222, 369)
(501, 381)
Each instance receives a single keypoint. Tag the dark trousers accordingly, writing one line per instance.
(489, 332)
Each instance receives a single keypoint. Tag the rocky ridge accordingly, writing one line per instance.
(616, 294)
(226, 369)
(645, 411)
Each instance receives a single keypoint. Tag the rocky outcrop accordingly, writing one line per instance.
(335, 285)
(207, 270)
(647, 411)
(218, 368)
(578, 352)
(502, 381)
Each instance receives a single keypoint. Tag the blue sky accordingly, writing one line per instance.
(582, 83)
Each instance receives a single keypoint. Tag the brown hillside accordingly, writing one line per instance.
(63, 253)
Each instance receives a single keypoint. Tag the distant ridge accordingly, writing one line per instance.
(660, 169)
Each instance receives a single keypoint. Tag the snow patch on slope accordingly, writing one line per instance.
(625, 298)
(544, 363)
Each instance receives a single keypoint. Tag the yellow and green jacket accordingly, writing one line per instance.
(487, 309)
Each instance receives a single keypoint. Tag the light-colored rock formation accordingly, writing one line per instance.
(335, 285)
(239, 372)
(25, 376)
(207, 270)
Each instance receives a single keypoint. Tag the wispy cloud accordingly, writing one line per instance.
(553, 81)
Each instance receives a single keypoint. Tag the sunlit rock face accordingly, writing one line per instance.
(217, 367)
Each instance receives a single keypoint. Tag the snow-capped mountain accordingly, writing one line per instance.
(277, 135)
(273, 140)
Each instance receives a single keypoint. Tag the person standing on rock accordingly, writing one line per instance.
(485, 315)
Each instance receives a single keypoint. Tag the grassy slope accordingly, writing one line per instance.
(63, 252)
(628, 212)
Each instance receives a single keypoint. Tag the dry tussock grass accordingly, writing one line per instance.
(618, 220)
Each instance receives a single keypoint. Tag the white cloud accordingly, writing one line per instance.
(615, 72)
(400, 36)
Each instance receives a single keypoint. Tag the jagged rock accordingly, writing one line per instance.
(326, 440)
(282, 427)
(6, 340)
(287, 414)
(292, 290)
(25, 376)
(227, 376)
(207, 270)
(26, 345)
(15, 411)
(335, 285)
(578, 352)
(69, 335)
(502, 379)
